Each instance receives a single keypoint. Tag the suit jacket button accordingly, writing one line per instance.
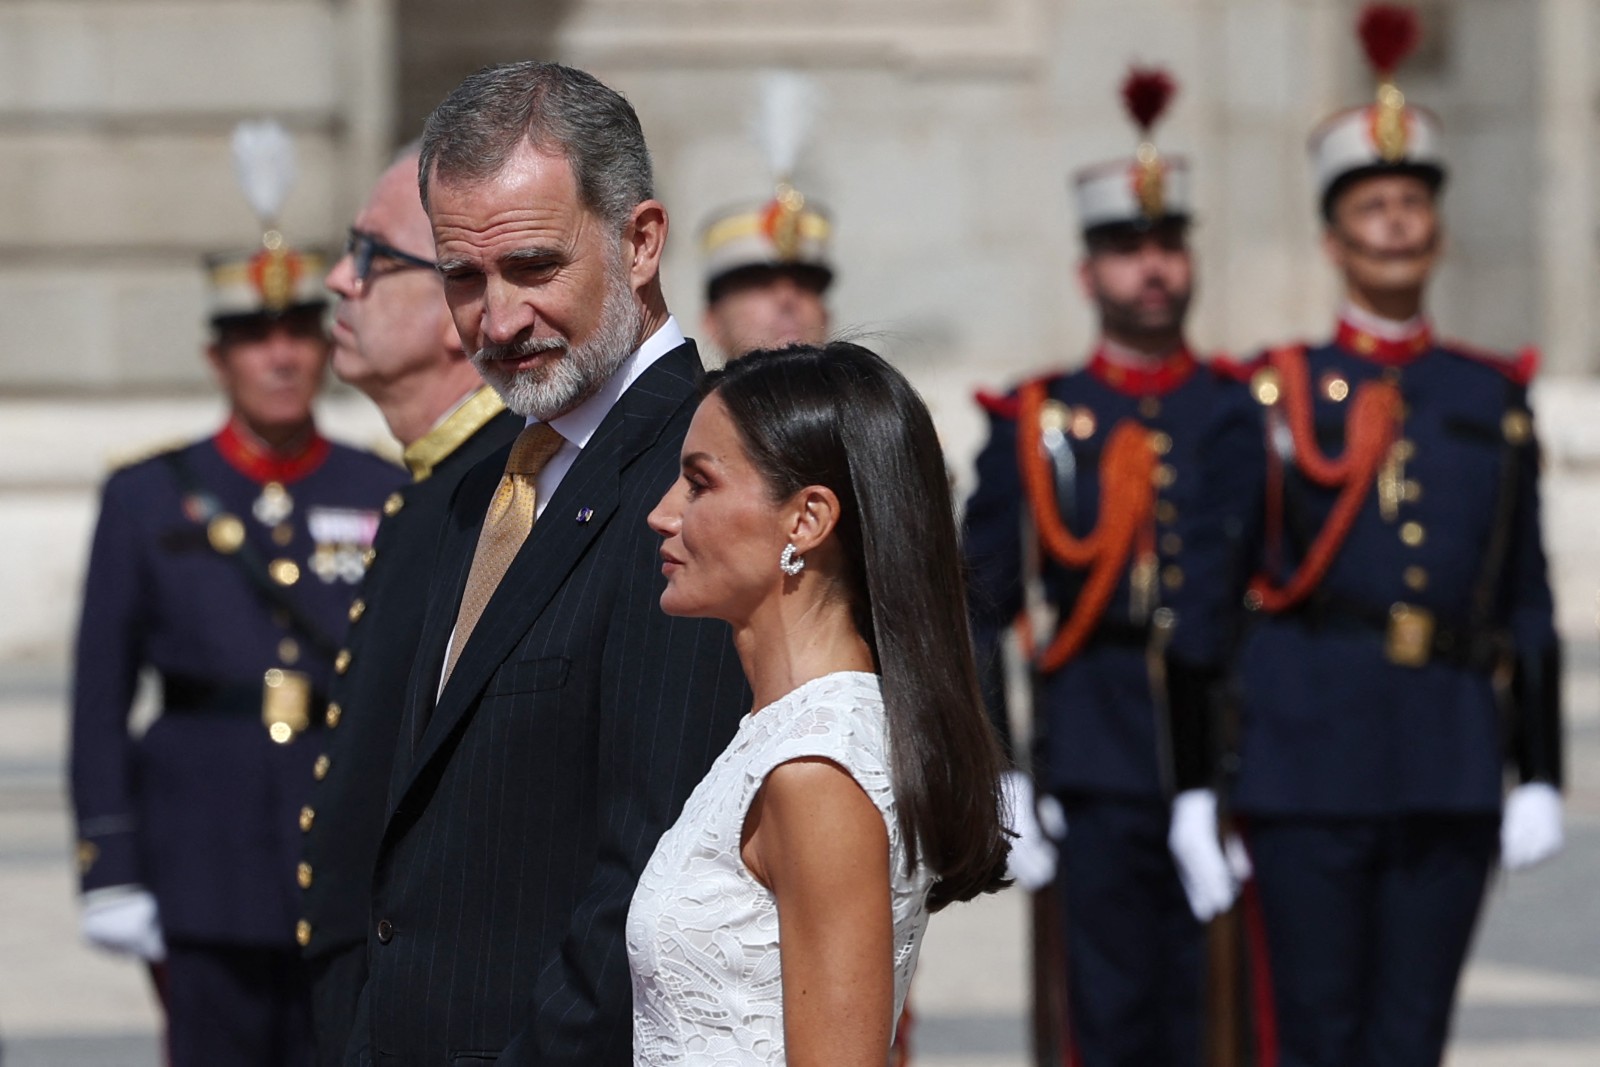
(385, 931)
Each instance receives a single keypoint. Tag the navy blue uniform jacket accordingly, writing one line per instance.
(203, 809)
(1096, 724)
(1330, 726)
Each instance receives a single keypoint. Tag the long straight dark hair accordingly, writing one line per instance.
(841, 417)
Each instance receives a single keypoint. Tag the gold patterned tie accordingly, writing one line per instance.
(505, 528)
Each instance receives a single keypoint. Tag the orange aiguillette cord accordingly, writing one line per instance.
(1371, 428)
(1127, 499)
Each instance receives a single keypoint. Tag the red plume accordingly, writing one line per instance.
(1389, 33)
(1147, 91)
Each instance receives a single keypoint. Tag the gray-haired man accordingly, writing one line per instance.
(556, 720)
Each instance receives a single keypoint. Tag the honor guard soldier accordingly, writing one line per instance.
(226, 568)
(1372, 501)
(393, 339)
(1079, 489)
(766, 265)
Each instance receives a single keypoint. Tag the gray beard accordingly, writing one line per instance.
(547, 392)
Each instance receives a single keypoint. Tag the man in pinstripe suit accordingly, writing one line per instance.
(556, 720)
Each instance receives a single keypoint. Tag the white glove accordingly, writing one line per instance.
(1210, 870)
(1531, 828)
(123, 919)
(1032, 861)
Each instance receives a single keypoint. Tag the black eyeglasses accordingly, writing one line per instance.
(363, 249)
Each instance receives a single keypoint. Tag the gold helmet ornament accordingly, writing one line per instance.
(788, 230)
(274, 277)
(1149, 188)
(1388, 136)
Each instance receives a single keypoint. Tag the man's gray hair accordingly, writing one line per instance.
(560, 110)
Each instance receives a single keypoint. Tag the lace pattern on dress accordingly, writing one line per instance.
(702, 933)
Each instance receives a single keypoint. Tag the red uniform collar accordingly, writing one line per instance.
(1388, 351)
(1154, 379)
(246, 454)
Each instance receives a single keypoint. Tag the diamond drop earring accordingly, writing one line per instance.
(789, 563)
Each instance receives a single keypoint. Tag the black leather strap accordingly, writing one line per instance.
(1473, 648)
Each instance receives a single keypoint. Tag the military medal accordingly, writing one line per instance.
(226, 533)
(273, 505)
(342, 537)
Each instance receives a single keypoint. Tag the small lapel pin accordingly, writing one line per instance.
(585, 514)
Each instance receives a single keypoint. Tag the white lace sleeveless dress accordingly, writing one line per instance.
(703, 933)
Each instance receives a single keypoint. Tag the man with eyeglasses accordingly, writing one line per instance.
(226, 567)
(393, 339)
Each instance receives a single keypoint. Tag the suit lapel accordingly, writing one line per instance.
(556, 544)
(458, 539)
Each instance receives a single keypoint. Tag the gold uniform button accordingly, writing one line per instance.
(1517, 427)
(302, 874)
(1413, 534)
(1411, 491)
(1416, 578)
(341, 662)
(358, 608)
(331, 717)
(1171, 544)
(1172, 576)
(368, 556)
(1335, 388)
(319, 769)
(302, 933)
(284, 571)
(289, 650)
(394, 503)
(1166, 512)
(281, 733)
(1264, 386)
(1166, 474)
(88, 852)
(308, 815)
(1054, 416)
(1161, 442)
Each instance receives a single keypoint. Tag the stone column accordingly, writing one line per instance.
(1568, 215)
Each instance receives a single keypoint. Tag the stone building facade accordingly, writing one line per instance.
(949, 130)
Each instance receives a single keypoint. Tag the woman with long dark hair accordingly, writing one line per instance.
(780, 918)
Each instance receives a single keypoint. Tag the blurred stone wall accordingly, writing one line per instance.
(949, 129)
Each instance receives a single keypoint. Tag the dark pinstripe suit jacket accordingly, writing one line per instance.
(527, 802)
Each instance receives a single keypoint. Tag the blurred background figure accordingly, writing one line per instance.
(393, 339)
(1079, 489)
(225, 567)
(1378, 494)
(766, 265)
